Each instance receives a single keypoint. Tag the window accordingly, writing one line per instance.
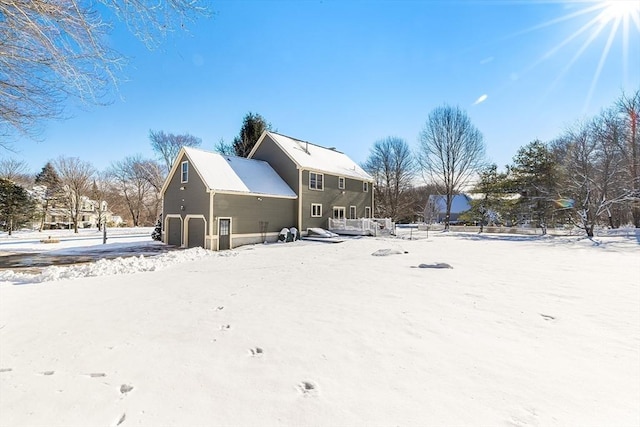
(365, 186)
(341, 183)
(185, 172)
(316, 210)
(315, 181)
(338, 212)
(367, 212)
(352, 212)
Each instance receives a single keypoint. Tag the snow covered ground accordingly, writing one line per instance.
(521, 331)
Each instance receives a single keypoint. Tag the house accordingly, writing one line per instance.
(220, 202)
(329, 185)
(436, 209)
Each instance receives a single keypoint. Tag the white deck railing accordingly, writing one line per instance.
(361, 226)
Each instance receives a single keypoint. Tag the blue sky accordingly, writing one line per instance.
(347, 73)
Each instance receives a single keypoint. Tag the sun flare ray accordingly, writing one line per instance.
(613, 19)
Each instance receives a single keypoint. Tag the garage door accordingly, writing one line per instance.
(174, 232)
(196, 227)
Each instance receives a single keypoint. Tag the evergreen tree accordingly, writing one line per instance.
(16, 206)
(157, 231)
(489, 207)
(252, 127)
(536, 175)
(49, 178)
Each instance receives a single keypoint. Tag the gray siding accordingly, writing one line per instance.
(331, 196)
(194, 198)
(269, 152)
(247, 212)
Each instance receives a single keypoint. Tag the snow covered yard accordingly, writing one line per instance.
(521, 331)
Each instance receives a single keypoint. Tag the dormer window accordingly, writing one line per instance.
(185, 173)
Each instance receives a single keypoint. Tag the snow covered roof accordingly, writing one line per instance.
(459, 203)
(314, 157)
(237, 174)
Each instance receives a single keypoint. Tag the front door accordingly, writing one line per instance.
(224, 234)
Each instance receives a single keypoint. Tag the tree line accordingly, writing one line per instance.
(131, 187)
(586, 177)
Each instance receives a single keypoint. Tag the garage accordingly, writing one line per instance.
(174, 231)
(196, 232)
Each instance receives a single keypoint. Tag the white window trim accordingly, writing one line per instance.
(367, 212)
(313, 205)
(355, 212)
(182, 172)
(316, 187)
(344, 182)
(365, 186)
(344, 212)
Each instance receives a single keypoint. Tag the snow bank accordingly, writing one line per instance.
(104, 267)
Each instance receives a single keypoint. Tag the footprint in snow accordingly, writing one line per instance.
(307, 388)
(256, 351)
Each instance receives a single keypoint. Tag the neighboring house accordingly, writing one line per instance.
(220, 202)
(436, 209)
(327, 182)
(58, 214)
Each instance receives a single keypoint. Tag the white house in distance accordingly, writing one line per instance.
(436, 209)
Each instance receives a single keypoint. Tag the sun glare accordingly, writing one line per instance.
(611, 20)
(619, 9)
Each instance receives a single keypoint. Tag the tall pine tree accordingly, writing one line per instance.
(16, 206)
(252, 127)
(48, 177)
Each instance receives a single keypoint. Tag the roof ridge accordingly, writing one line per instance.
(235, 156)
(308, 142)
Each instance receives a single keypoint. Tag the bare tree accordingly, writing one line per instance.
(451, 152)
(155, 175)
(100, 193)
(14, 170)
(131, 179)
(593, 167)
(53, 50)
(76, 177)
(224, 148)
(629, 106)
(392, 165)
(168, 145)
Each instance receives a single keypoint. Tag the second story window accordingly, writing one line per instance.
(185, 172)
(316, 181)
(341, 183)
(365, 186)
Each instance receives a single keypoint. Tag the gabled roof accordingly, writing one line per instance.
(235, 174)
(316, 158)
(459, 203)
